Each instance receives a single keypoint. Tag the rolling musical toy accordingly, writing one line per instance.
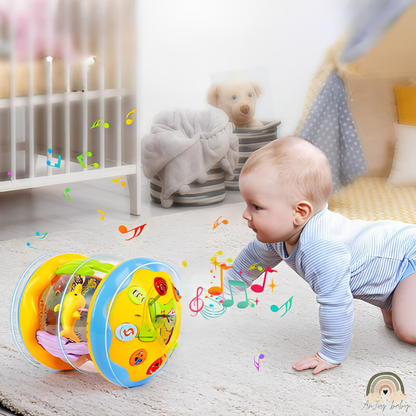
(120, 319)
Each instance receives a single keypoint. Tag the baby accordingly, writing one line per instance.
(286, 186)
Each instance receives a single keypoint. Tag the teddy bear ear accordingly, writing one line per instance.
(212, 95)
(257, 88)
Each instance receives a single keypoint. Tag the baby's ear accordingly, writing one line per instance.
(212, 95)
(257, 88)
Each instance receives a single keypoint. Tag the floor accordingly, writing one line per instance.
(42, 210)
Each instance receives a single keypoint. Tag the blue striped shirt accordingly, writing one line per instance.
(341, 259)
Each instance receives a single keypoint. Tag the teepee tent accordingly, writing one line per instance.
(350, 109)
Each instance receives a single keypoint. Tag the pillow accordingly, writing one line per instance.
(403, 171)
(406, 104)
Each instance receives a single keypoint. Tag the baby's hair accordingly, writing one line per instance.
(299, 167)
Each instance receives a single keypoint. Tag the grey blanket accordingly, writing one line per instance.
(184, 144)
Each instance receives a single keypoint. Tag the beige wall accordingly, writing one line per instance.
(373, 105)
(370, 81)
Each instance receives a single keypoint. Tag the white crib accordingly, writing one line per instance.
(64, 65)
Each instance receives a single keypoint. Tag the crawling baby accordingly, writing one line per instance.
(286, 186)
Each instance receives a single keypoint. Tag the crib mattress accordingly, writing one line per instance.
(372, 199)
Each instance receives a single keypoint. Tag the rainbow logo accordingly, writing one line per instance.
(385, 385)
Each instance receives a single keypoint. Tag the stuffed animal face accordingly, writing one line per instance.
(237, 98)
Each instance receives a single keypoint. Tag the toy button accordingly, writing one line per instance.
(137, 295)
(138, 357)
(125, 332)
(160, 285)
(156, 365)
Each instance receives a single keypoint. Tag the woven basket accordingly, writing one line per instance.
(210, 192)
(251, 139)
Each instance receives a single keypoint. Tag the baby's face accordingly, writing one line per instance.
(268, 212)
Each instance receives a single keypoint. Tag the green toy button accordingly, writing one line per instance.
(137, 295)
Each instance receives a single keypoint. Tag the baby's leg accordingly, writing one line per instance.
(404, 309)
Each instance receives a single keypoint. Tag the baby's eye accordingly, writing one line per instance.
(257, 208)
(250, 94)
(234, 97)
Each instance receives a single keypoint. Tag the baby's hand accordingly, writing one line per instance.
(316, 362)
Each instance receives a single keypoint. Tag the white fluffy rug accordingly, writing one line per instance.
(212, 370)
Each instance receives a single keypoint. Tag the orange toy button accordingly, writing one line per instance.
(138, 357)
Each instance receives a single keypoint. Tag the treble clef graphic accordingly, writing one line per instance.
(194, 303)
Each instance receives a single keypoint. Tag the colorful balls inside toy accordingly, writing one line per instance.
(98, 314)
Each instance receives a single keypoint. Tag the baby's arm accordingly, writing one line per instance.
(254, 252)
(327, 270)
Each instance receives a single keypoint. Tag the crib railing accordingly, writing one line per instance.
(68, 93)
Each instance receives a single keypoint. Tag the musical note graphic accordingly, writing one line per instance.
(55, 165)
(214, 311)
(124, 230)
(67, 196)
(272, 286)
(253, 266)
(230, 302)
(123, 184)
(129, 121)
(253, 302)
(10, 174)
(28, 244)
(97, 123)
(257, 363)
(259, 288)
(44, 235)
(214, 259)
(184, 264)
(195, 301)
(102, 216)
(215, 262)
(80, 158)
(217, 290)
(216, 223)
(275, 308)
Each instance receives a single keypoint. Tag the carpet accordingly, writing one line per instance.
(212, 370)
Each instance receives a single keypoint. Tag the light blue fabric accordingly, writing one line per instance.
(340, 259)
(411, 268)
(372, 23)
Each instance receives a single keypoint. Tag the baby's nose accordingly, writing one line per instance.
(245, 108)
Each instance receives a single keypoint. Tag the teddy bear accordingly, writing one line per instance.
(237, 97)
